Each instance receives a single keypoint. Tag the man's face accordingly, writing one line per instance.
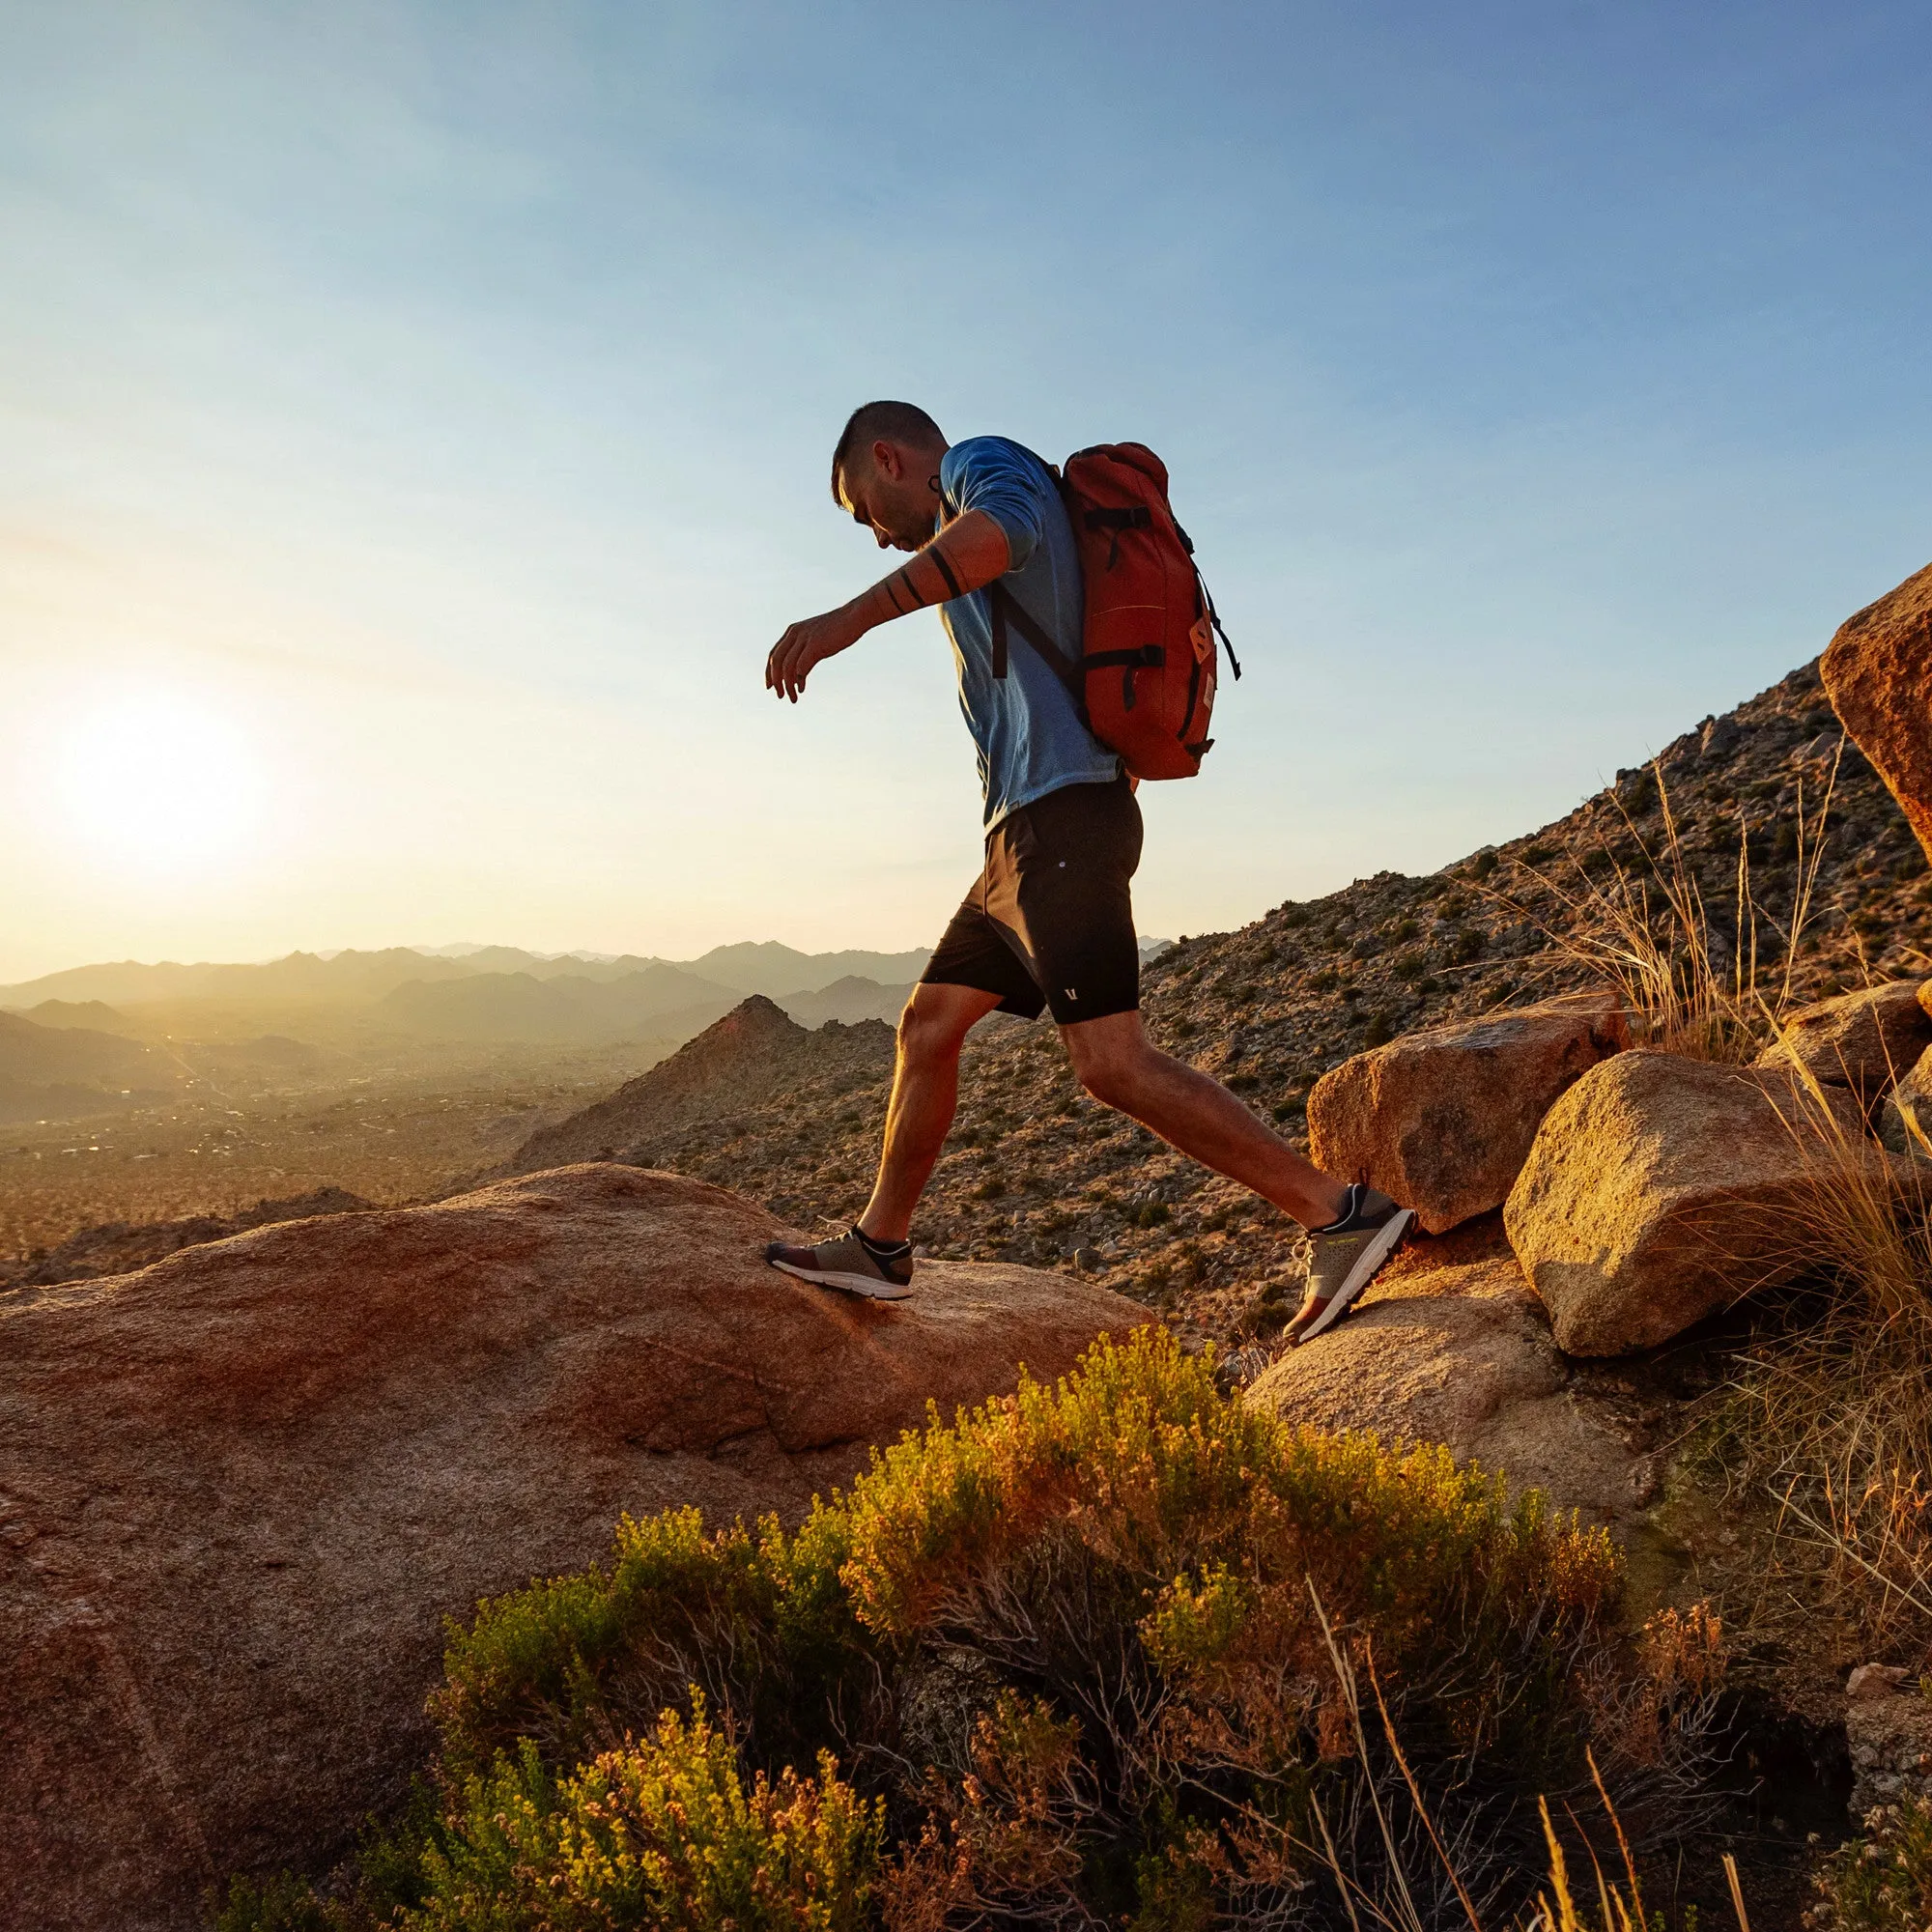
(888, 488)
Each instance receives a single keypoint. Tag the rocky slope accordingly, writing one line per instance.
(1034, 1171)
(755, 1057)
(240, 1489)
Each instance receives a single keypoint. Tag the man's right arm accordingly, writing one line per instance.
(967, 554)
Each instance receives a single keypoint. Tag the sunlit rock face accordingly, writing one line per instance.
(1659, 1189)
(240, 1489)
(1442, 1118)
(1878, 672)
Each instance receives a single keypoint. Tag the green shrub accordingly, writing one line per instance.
(1096, 1651)
(756, 1620)
(664, 1833)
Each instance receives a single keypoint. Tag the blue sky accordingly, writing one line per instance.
(414, 423)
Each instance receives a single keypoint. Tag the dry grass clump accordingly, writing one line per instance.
(1708, 988)
(1121, 1650)
(1829, 1418)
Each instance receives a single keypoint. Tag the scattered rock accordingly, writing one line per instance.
(240, 1489)
(1874, 1680)
(1659, 1189)
(1443, 1119)
(1460, 1353)
(1863, 1040)
(1878, 671)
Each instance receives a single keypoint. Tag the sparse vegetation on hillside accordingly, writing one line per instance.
(1120, 1648)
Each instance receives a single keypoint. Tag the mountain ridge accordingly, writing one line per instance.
(352, 975)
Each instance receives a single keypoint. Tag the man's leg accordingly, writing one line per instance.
(1120, 1067)
(926, 1091)
(1354, 1228)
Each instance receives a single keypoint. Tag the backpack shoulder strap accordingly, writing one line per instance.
(1007, 610)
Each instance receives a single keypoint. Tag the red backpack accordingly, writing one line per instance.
(1144, 682)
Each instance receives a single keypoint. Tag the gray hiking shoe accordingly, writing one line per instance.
(850, 1264)
(1344, 1257)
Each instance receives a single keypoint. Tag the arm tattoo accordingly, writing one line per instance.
(903, 592)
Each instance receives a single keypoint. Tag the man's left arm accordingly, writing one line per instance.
(967, 554)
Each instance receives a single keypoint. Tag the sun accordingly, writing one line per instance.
(160, 782)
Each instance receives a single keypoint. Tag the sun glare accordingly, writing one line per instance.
(159, 784)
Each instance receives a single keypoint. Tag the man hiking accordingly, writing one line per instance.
(1049, 921)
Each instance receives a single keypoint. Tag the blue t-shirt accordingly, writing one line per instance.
(1027, 729)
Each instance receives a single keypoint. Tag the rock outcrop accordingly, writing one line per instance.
(755, 1054)
(1878, 672)
(240, 1489)
(1659, 1189)
(1459, 1353)
(1862, 1042)
(1443, 1119)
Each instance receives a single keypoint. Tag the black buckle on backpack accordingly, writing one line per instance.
(1148, 657)
(1139, 518)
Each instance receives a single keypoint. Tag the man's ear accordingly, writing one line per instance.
(890, 460)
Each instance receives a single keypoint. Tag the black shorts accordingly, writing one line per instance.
(1051, 919)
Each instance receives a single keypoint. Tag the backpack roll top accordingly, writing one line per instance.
(1149, 666)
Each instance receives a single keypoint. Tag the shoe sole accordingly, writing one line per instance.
(1367, 1264)
(869, 1287)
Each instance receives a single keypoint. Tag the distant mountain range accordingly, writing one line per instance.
(354, 977)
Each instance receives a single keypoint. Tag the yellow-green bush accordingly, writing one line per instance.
(663, 1832)
(1122, 1647)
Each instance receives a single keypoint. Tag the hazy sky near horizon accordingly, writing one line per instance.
(414, 423)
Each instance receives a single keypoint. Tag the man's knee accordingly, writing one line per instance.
(927, 1033)
(1108, 1075)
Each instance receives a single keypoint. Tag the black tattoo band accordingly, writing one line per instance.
(938, 556)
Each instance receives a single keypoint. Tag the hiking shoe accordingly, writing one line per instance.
(854, 1265)
(1343, 1257)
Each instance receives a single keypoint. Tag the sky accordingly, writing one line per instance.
(415, 419)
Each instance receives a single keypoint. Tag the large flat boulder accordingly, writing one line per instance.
(1443, 1119)
(1659, 1189)
(1878, 673)
(240, 1489)
(1863, 1041)
(1458, 1351)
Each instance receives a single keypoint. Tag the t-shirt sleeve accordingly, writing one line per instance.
(989, 474)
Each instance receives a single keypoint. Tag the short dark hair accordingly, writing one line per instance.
(881, 422)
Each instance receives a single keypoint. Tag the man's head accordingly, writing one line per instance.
(886, 472)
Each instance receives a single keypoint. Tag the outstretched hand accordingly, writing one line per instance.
(806, 644)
